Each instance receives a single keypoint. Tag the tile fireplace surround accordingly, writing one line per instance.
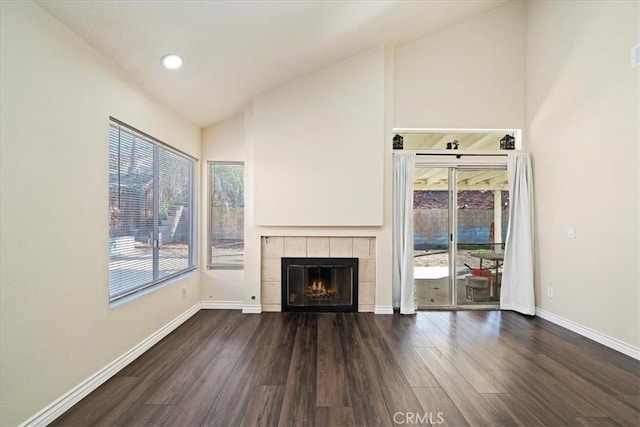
(276, 247)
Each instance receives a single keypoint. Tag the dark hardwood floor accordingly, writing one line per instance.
(490, 368)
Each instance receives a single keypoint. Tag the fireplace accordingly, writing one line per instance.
(320, 284)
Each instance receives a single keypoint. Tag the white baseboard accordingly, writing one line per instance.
(222, 305)
(73, 396)
(66, 401)
(252, 309)
(585, 331)
(383, 309)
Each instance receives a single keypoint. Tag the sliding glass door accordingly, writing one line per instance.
(460, 224)
(482, 212)
(431, 227)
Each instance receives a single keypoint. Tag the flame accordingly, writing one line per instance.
(318, 287)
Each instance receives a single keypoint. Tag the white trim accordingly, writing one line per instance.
(454, 130)
(56, 408)
(252, 309)
(383, 309)
(73, 396)
(596, 336)
(222, 305)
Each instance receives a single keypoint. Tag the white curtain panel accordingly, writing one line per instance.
(517, 292)
(403, 287)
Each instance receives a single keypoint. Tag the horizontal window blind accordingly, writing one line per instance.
(151, 213)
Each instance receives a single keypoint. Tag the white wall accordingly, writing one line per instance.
(223, 142)
(410, 111)
(318, 147)
(584, 132)
(311, 116)
(329, 128)
(57, 95)
(469, 75)
(56, 325)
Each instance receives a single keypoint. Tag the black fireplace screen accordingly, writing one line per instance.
(320, 284)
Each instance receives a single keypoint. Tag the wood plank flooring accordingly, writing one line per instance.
(464, 368)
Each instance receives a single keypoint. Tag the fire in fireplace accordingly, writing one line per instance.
(320, 284)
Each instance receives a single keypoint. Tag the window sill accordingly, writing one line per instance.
(161, 284)
(225, 267)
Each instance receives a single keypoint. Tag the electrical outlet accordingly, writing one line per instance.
(571, 232)
(550, 292)
(184, 292)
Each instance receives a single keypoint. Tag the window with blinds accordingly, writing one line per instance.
(151, 212)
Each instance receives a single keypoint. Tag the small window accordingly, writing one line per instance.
(471, 140)
(226, 215)
(151, 212)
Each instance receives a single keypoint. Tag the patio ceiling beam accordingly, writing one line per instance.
(467, 176)
(481, 142)
(499, 180)
(425, 173)
(486, 175)
(441, 175)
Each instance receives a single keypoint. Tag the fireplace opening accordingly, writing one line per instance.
(320, 284)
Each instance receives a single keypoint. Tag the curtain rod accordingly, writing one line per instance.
(458, 155)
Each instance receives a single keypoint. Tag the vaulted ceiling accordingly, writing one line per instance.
(235, 50)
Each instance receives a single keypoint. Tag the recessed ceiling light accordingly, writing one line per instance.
(172, 61)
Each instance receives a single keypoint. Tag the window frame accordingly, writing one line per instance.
(192, 260)
(210, 264)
